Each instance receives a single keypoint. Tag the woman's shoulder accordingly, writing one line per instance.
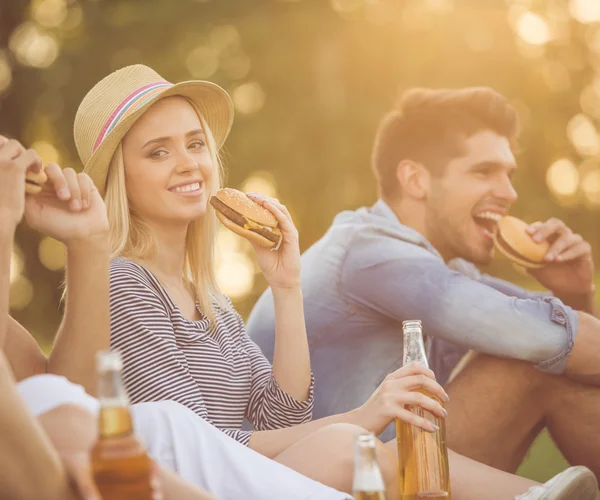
(125, 273)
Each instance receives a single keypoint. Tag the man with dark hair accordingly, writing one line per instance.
(444, 161)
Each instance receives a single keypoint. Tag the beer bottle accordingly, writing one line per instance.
(368, 481)
(120, 466)
(423, 456)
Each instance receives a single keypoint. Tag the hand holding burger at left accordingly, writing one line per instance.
(277, 245)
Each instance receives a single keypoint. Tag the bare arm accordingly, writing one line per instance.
(7, 232)
(388, 402)
(70, 209)
(23, 352)
(281, 268)
(30, 466)
(272, 443)
(85, 328)
(291, 360)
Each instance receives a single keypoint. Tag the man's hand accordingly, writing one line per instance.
(570, 268)
(15, 161)
(69, 207)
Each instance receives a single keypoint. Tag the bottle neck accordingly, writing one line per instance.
(414, 348)
(114, 419)
(367, 475)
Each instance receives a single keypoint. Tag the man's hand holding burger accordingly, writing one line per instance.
(569, 269)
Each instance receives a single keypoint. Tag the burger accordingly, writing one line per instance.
(512, 239)
(34, 181)
(247, 218)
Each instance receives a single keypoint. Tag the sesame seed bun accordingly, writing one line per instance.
(240, 214)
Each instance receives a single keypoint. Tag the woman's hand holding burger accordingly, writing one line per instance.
(268, 226)
(280, 266)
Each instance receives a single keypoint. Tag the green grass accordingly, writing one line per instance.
(543, 461)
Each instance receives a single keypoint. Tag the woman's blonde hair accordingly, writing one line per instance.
(133, 238)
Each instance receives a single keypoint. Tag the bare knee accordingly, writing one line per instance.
(69, 427)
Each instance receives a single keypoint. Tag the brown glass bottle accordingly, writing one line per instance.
(121, 467)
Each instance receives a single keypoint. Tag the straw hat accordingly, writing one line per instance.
(113, 105)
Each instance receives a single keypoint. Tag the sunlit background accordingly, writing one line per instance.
(309, 80)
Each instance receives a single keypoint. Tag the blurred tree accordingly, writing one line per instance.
(310, 80)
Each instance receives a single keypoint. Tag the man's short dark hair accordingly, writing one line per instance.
(427, 126)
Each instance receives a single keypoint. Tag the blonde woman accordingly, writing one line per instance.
(151, 148)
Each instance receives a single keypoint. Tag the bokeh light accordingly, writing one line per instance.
(21, 293)
(16, 264)
(5, 73)
(202, 62)
(52, 254)
(585, 11)
(49, 13)
(261, 182)
(533, 29)
(235, 269)
(32, 47)
(590, 185)
(248, 98)
(562, 178)
(556, 76)
(583, 135)
(47, 151)
(590, 100)
(345, 7)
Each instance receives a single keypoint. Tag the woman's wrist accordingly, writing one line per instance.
(290, 289)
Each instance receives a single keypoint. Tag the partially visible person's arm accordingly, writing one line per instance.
(404, 281)
(85, 328)
(70, 209)
(23, 352)
(7, 234)
(31, 467)
(15, 161)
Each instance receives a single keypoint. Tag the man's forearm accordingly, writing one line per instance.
(86, 325)
(7, 235)
(585, 302)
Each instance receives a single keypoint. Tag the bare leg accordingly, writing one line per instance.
(72, 431)
(497, 407)
(327, 456)
(472, 480)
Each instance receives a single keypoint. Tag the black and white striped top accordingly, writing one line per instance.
(213, 369)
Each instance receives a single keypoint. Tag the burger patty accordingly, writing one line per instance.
(508, 249)
(240, 220)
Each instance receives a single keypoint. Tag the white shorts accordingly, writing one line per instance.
(181, 441)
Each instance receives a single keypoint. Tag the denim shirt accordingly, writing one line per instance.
(369, 272)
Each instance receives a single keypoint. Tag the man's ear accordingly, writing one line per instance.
(414, 179)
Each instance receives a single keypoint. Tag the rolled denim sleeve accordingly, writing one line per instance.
(405, 281)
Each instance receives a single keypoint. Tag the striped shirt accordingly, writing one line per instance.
(212, 368)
